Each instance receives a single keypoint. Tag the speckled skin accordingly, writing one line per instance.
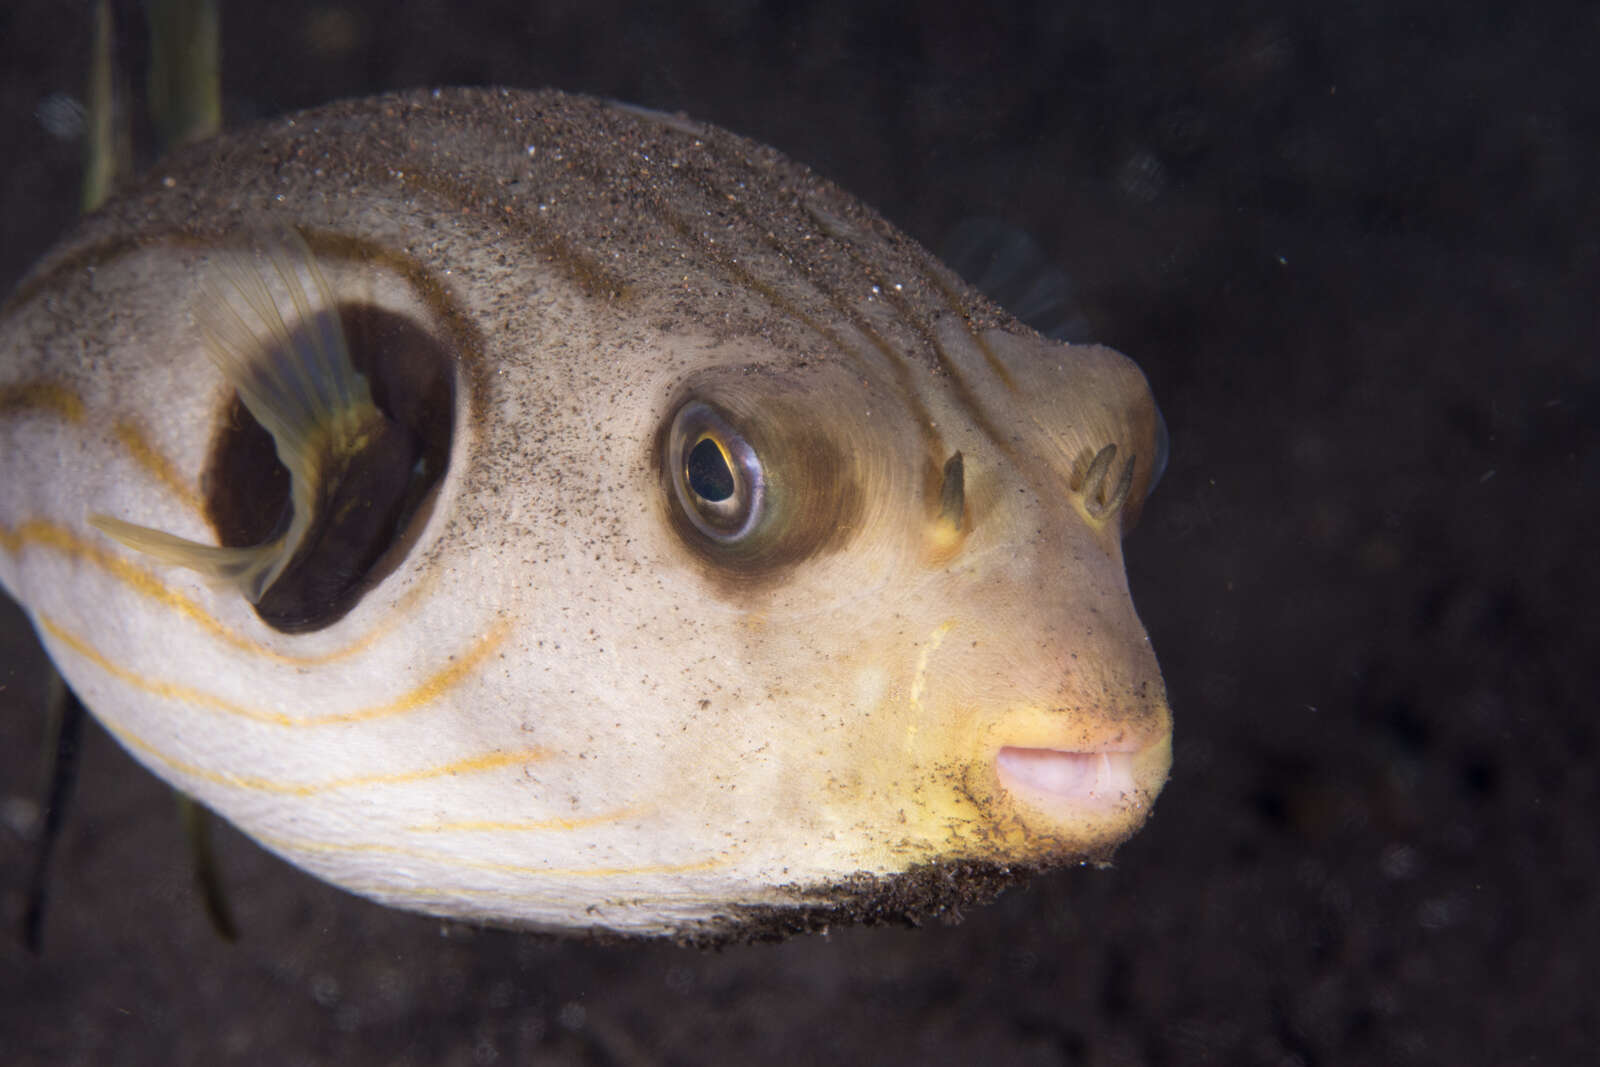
(560, 708)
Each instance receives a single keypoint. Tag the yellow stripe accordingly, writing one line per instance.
(52, 398)
(165, 690)
(132, 438)
(286, 844)
(471, 765)
(423, 895)
(433, 687)
(419, 696)
(919, 682)
(41, 533)
(41, 398)
(445, 859)
(522, 825)
(709, 864)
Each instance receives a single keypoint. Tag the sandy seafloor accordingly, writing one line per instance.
(1354, 247)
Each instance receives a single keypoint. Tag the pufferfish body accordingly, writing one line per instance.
(524, 508)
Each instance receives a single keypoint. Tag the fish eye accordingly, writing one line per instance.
(717, 478)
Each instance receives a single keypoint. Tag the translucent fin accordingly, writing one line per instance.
(1158, 467)
(108, 140)
(272, 328)
(196, 822)
(250, 570)
(184, 83)
(1007, 265)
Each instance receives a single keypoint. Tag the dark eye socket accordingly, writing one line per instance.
(716, 476)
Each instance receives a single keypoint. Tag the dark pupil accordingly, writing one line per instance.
(709, 475)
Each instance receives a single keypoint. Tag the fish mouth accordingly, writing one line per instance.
(1075, 783)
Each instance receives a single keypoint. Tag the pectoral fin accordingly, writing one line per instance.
(271, 326)
(249, 570)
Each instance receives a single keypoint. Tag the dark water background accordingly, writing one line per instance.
(1354, 247)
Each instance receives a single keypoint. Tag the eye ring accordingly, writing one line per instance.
(717, 478)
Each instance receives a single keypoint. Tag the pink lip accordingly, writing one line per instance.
(1061, 777)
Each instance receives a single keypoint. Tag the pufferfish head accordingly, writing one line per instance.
(975, 683)
(605, 523)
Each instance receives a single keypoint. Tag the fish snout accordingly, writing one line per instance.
(1069, 739)
(1083, 788)
(1071, 794)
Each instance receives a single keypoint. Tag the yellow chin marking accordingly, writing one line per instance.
(920, 683)
(943, 538)
(1021, 784)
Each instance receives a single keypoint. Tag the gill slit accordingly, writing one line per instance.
(52, 398)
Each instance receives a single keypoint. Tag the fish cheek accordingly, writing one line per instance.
(370, 511)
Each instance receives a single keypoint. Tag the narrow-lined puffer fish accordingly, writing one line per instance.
(530, 509)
